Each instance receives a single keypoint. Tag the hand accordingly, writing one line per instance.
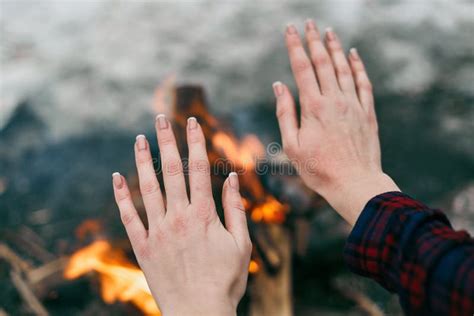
(336, 146)
(193, 265)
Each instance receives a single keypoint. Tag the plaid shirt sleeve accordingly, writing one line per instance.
(412, 250)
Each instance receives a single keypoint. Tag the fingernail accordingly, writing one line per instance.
(117, 180)
(310, 25)
(162, 121)
(291, 29)
(354, 53)
(141, 142)
(330, 34)
(277, 88)
(192, 123)
(234, 180)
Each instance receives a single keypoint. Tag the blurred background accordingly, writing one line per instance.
(79, 80)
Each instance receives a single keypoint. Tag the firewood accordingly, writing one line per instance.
(362, 300)
(271, 293)
(27, 294)
(31, 246)
(266, 247)
(46, 277)
(15, 261)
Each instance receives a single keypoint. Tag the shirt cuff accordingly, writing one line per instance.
(377, 235)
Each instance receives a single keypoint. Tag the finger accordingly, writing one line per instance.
(199, 170)
(234, 213)
(343, 71)
(286, 114)
(362, 81)
(133, 225)
(149, 186)
(321, 60)
(172, 166)
(300, 64)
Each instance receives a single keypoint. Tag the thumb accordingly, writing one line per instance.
(234, 213)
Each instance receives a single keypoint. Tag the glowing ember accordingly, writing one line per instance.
(254, 267)
(271, 211)
(119, 279)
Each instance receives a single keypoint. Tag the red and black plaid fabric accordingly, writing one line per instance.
(413, 251)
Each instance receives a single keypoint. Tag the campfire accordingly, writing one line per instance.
(107, 263)
(94, 271)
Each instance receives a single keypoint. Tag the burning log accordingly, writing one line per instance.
(268, 251)
(271, 292)
(47, 276)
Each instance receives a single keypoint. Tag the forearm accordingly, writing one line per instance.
(412, 250)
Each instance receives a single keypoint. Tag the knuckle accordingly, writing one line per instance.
(173, 168)
(335, 47)
(372, 121)
(282, 111)
(166, 140)
(248, 245)
(320, 59)
(293, 43)
(340, 103)
(179, 224)
(359, 67)
(195, 138)
(200, 165)
(367, 86)
(149, 187)
(128, 217)
(160, 235)
(289, 149)
(204, 212)
(144, 159)
(300, 65)
(142, 251)
(123, 196)
(313, 36)
(364, 84)
(343, 71)
(237, 205)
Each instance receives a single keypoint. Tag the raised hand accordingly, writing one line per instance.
(335, 146)
(193, 265)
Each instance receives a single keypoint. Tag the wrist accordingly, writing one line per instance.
(199, 310)
(349, 195)
(209, 306)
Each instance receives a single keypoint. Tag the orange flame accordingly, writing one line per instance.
(271, 211)
(243, 155)
(119, 279)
